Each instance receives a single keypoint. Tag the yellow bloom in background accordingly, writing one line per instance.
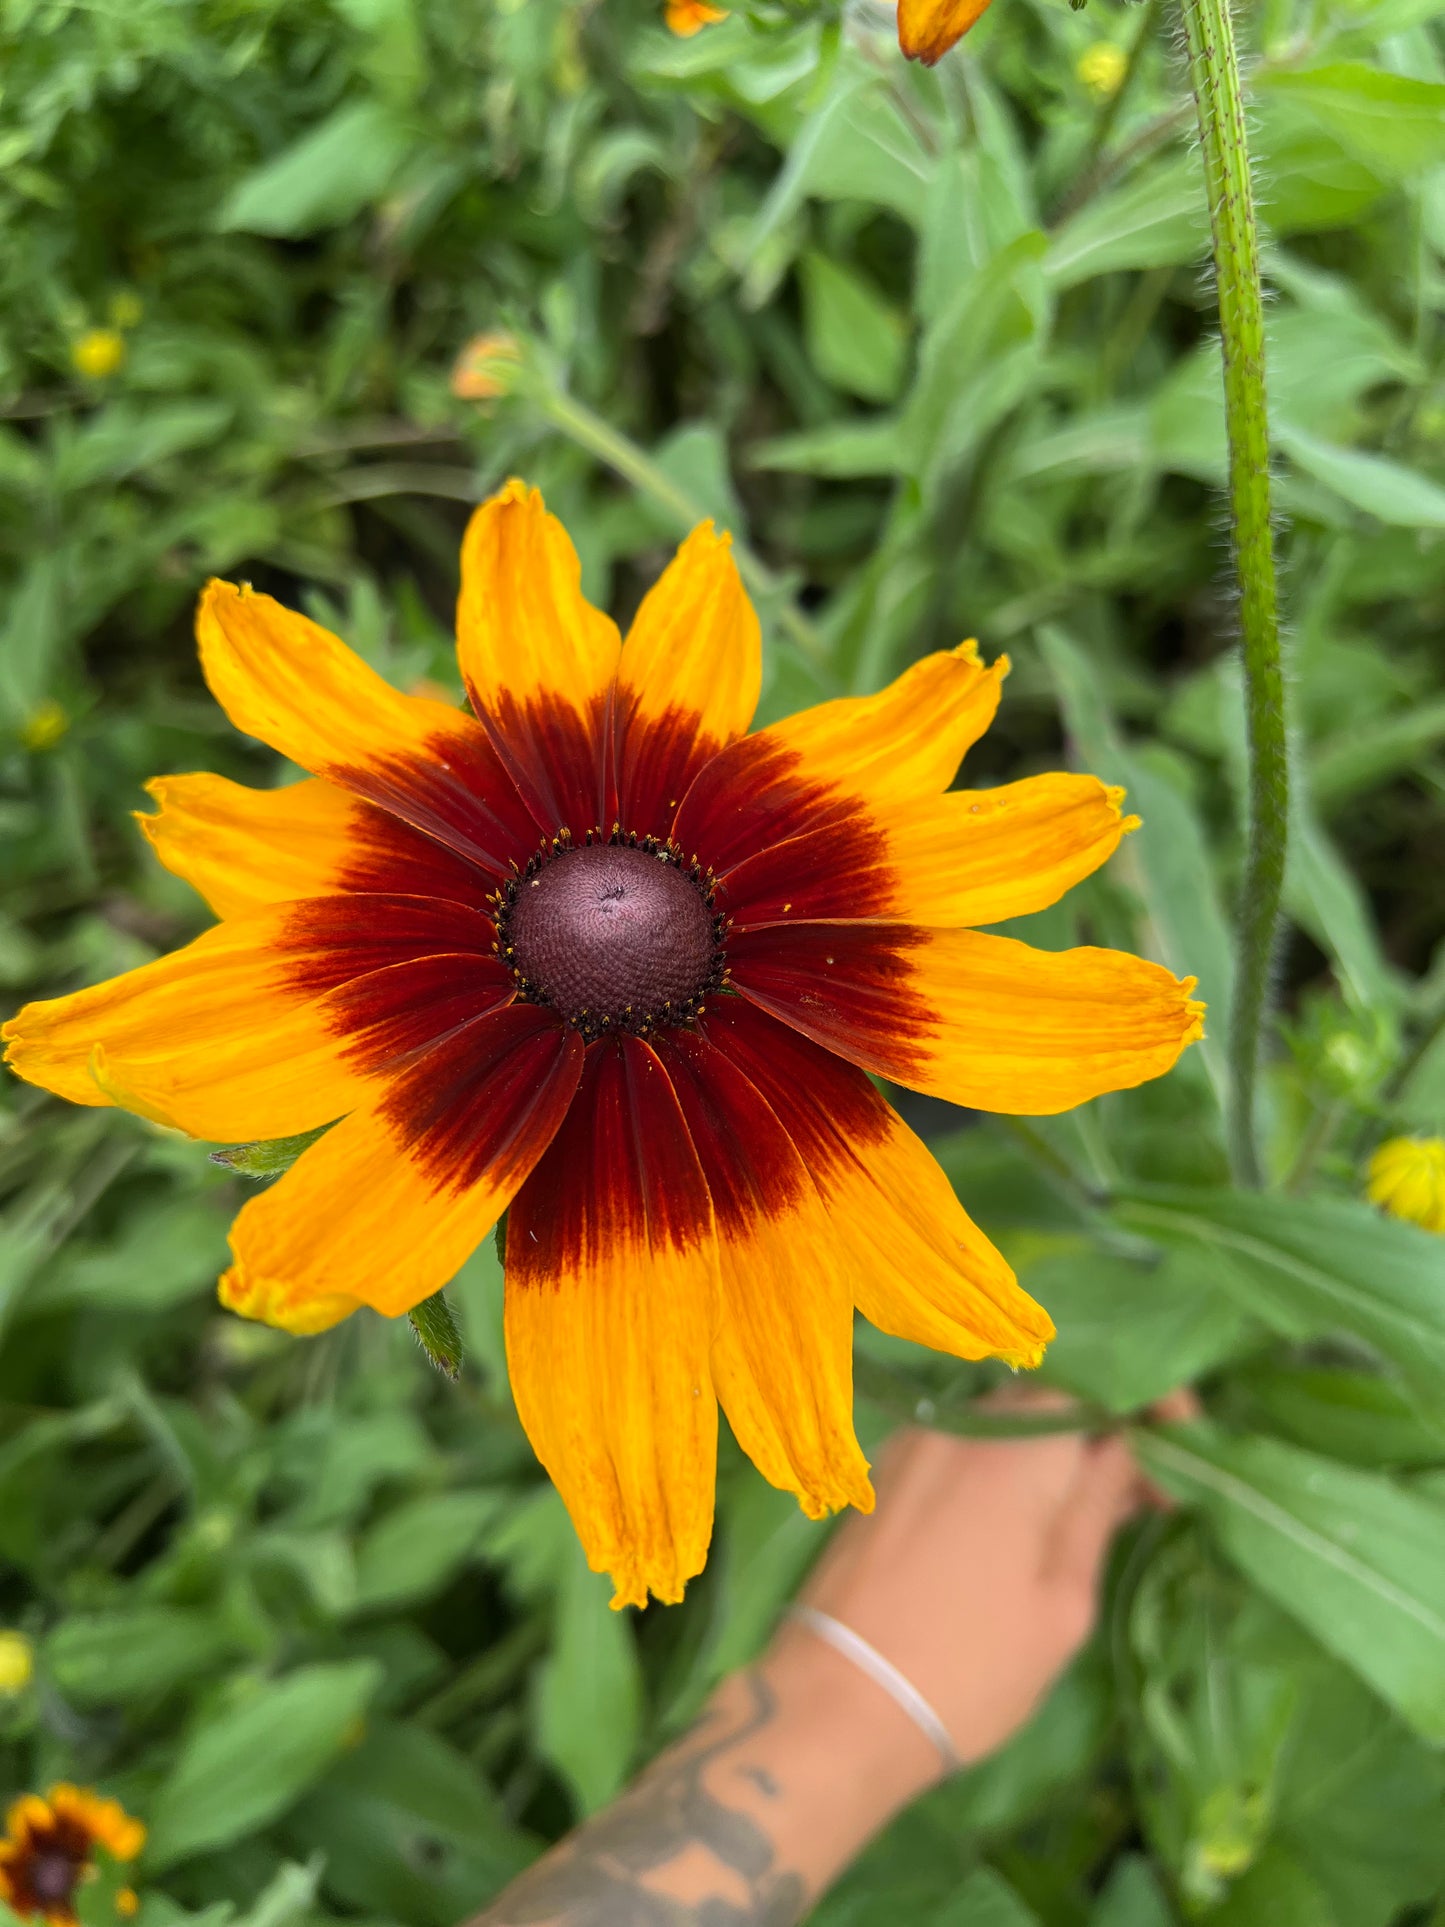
(44, 727)
(687, 17)
(49, 1850)
(596, 955)
(17, 1663)
(1102, 68)
(1407, 1179)
(98, 353)
(928, 28)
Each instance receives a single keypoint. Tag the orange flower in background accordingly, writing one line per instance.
(49, 1850)
(687, 17)
(928, 28)
(595, 953)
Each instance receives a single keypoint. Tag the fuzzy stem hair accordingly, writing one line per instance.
(1218, 97)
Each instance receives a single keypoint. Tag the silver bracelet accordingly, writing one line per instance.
(883, 1673)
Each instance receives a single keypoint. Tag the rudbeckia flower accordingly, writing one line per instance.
(49, 1850)
(1407, 1179)
(594, 953)
(928, 28)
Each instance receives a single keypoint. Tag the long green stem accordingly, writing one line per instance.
(635, 465)
(1214, 75)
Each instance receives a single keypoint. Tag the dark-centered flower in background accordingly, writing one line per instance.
(595, 953)
(49, 1850)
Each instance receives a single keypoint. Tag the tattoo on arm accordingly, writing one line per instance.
(612, 1871)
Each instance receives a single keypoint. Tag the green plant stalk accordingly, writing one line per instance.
(577, 421)
(1214, 76)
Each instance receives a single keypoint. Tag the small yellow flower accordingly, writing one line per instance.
(125, 309)
(44, 727)
(484, 367)
(98, 353)
(687, 17)
(1407, 1179)
(49, 1850)
(17, 1663)
(1102, 68)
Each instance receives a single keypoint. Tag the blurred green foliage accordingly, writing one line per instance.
(938, 348)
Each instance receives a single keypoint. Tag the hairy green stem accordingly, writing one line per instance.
(1214, 76)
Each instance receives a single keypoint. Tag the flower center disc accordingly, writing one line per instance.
(614, 937)
(53, 1878)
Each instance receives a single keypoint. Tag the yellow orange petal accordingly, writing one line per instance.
(1407, 1179)
(209, 1039)
(979, 856)
(967, 857)
(980, 1020)
(386, 1207)
(918, 1265)
(825, 766)
(928, 28)
(611, 1310)
(284, 679)
(907, 740)
(29, 1814)
(537, 658)
(687, 681)
(244, 848)
(687, 17)
(782, 1360)
(105, 1820)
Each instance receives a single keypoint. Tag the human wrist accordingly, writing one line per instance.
(853, 1756)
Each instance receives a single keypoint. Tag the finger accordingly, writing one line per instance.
(1108, 1490)
(1178, 1407)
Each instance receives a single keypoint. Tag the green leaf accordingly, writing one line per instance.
(415, 1549)
(1358, 1562)
(855, 146)
(1132, 1897)
(268, 1157)
(857, 340)
(289, 1896)
(1317, 1265)
(1373, 483)
(1169, 853)
(985, 1900)
(132, 1653)
(1156, 219)
(589, 1690)
(246, 1764)
(1392, 122)
(1326, 898)
(1356, 1416)
(1129, 1332)
(330, 174)
(841, 450)
(410, 1828)
(437, 1334)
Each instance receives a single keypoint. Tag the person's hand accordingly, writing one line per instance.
(978, 1574)
(977, 1577)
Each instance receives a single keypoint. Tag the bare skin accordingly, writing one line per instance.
(977, 1576)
